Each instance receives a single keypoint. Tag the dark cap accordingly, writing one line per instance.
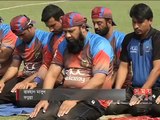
(102, 12)
(20, 23)
(73, 19)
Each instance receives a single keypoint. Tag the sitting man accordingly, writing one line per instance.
(85, 58)
(141, 48)
(51, 17)
(31, 48)
(7, 45)
(103, 22)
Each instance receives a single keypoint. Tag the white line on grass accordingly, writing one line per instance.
(34, 4)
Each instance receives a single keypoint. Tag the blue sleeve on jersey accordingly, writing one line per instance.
(119, 39)
(50, 36)
(18, 42)
(98, 43)
(62, 47)
(43, 36)
(5, 28)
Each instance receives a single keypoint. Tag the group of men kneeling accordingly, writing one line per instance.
(69, 56)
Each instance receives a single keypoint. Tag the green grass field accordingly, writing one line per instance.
(33, 9)
(120, 10)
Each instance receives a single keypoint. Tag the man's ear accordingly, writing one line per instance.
(83, 26)
(30, 25)
(150, 20)
(110, 21)
(60, 19)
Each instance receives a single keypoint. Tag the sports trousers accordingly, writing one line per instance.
(8, 97)
(152, 109)
(84, 110)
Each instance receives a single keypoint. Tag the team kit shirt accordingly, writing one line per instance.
(35, 53)
(141, 54)
(8, 40)
(116, 40)
(95, 57)
(53, 46)
(56, 40)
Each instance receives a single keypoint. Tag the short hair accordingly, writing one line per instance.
(141, 12)
(51, 11)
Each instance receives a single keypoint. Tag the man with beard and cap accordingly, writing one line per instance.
(104, 25)
(31, 48)
(140, 47)
(85, 58)
(51, 17)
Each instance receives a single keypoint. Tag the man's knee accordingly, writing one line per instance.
(34, 119)
(115, 109)
(74, 118)
(66, 117)
(137, 110)
(155, 110)
(43, 116)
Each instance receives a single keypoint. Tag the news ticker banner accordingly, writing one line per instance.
(71, 94)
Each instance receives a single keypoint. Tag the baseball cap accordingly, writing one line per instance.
(20, 23)
(72, 19)
(102, 12)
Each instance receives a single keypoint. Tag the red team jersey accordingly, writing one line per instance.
(116, 42)
(56, 40)
(96, 57)
(8, 40)
(35, 53)
(79, 68)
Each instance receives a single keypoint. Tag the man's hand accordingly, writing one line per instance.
(24, 85)
(158, 100)
(66, 106)
(1, 85)
(20, 85)
(136, 99)
(139, 95)
(31, 85)
(42, 104)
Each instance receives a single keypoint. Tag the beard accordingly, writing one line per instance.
(102, 32)
(75, 46)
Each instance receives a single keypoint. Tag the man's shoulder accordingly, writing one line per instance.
(131, 34)
(127, 39)
(41, 32)
(156, 33)
(118, 33)
(99, 43)
(96, 39)
(118, 37)
(19, 43)
(5, 28)
(43, 36)
(62, 46)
